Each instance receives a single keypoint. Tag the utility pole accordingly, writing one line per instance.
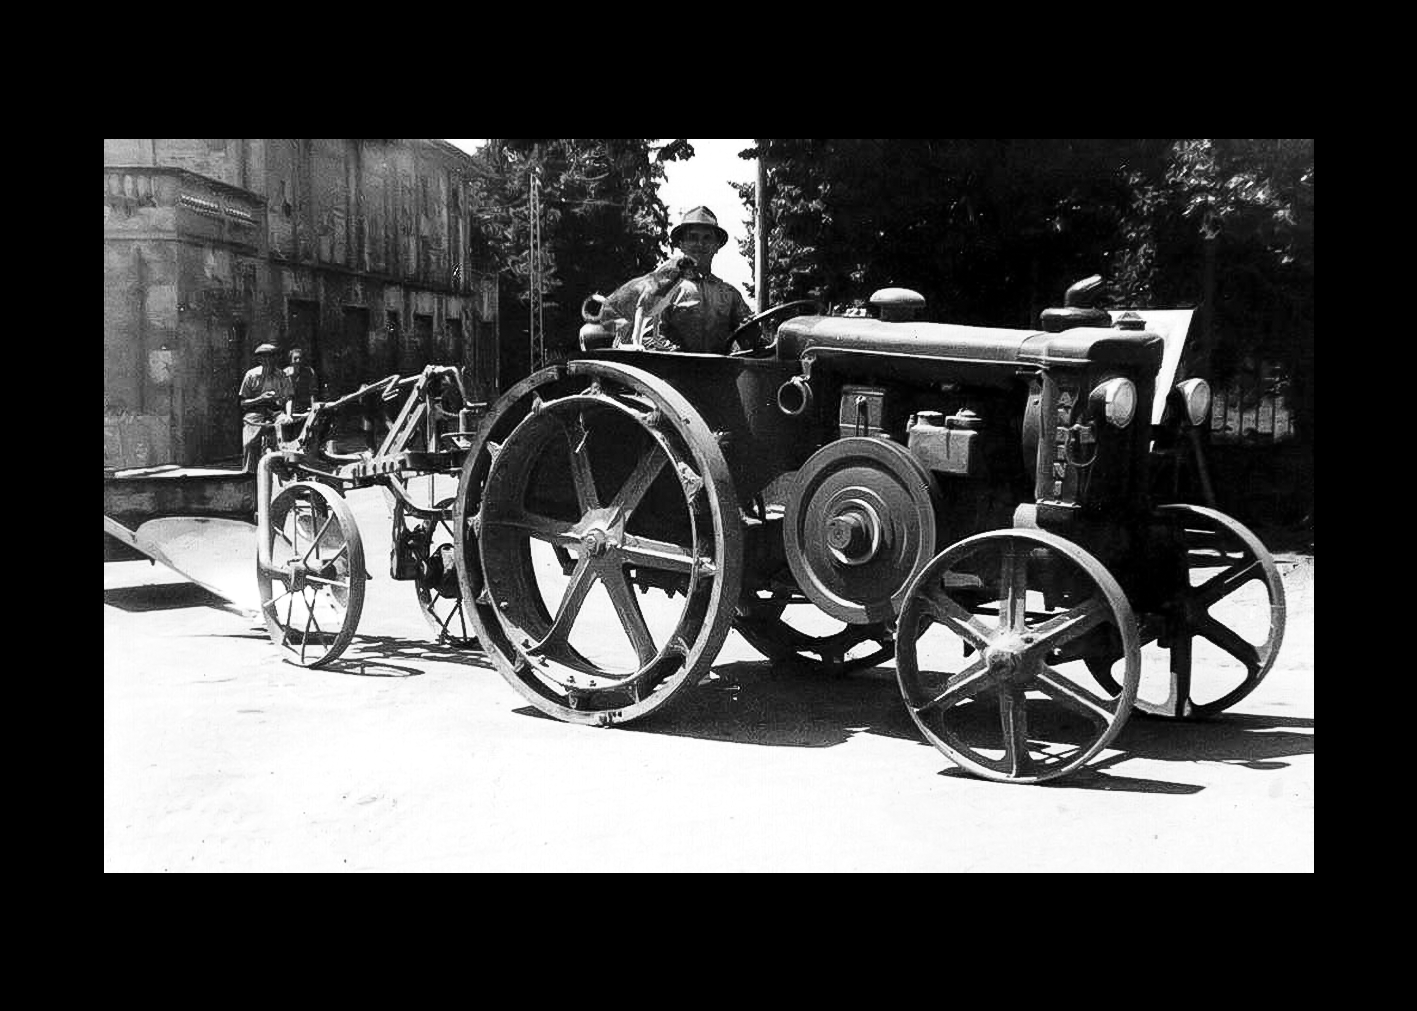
(760, 233)
(534, 277)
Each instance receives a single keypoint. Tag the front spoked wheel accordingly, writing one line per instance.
(313, 592)
(988, 648)
(1219, 633)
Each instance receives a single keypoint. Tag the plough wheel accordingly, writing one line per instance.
(981, 655)
(436, 586)
(612, 466)
(1219, 562)
(313, 593)
(786, 626)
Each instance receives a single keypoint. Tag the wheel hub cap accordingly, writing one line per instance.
(854, 534)
(1006, 661)
(595, 542)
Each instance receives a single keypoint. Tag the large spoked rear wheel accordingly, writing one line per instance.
(1219, 634)
(594, 487)
(986, 649)
(313, 593)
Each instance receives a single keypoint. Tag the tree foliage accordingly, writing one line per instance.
(992, 232)
(602, 222)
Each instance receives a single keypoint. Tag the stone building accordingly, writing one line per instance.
(354, 250)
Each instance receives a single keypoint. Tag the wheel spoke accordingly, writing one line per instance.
(445, 622)
(1013, 586)
(309, 619)
(622, 595)
(311, 606)
(652, 554)
(1069, 625)
(289, 611)
(1013, 718)
(1072, 696)
(1227, 582)
(639, 481)
(1228, 640)
(543, 528)
(315, 541)
(967, 684)
(581, 474)
(944, 609)
(341, 583)
(582, 579)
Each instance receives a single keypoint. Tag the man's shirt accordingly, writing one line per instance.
(256, 382)
(702, 313)
(697, 313)
(303, 383)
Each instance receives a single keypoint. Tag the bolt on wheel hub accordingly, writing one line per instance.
(855, 533)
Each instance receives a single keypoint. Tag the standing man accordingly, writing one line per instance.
(265, 397)
(681, 305)
(302, 381)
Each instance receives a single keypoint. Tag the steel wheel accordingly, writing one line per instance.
(436, 586)
(1218, 637)
(313, 593)
(783, 625)
(612, 466)
(984, 652)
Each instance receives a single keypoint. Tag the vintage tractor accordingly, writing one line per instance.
(975, 502)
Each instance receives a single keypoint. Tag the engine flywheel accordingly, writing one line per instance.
(860, 523)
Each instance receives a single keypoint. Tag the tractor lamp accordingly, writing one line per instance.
(1117, 400)
(1195, 393)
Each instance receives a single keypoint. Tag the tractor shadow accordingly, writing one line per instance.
(788, 706)
(388, 656)
(380, 656)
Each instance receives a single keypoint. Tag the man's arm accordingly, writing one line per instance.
(249, 395)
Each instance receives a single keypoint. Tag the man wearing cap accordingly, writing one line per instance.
(681, 305)
(265, 397)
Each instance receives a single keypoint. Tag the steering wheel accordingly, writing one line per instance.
(785, 310)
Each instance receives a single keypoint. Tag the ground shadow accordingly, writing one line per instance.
(787, 706)
(370, 649)
(166, 597)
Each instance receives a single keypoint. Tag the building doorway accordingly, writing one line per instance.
(393, 338)
(303, 331)
(455, 343)
(352, 366)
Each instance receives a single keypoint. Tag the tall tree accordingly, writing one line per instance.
(990, 231)
(994, 231)
(1230, 223)
(602, 222)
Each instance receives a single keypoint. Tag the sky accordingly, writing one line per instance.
(703, 180)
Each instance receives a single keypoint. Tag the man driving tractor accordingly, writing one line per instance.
(681, 305)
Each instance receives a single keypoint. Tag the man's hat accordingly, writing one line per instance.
(265, 349)
(699, 216)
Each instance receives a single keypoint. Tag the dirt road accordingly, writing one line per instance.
(218, 756)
